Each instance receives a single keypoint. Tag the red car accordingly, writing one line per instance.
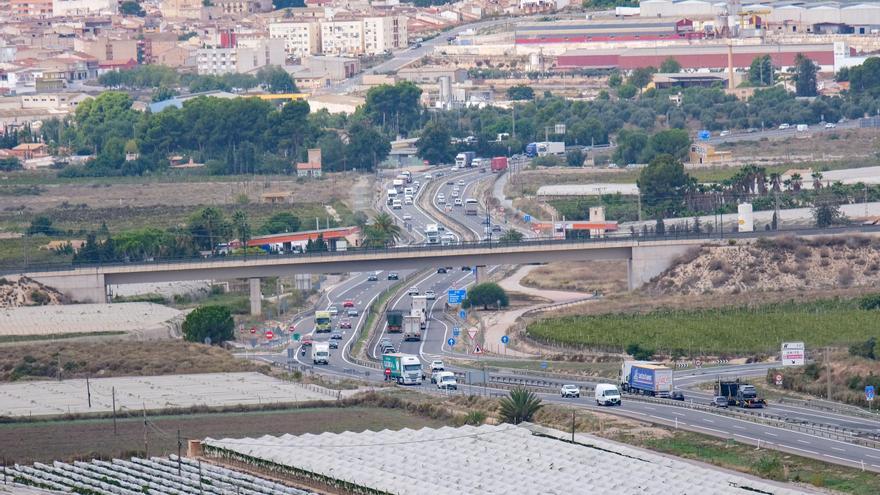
(306, 342)
(346, 323)
(348, 303)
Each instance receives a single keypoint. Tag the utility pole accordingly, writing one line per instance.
(639, 196)
(572, 426)
(828, 373)
(113, 391)
(179, 445)
(146, 444)
(88, 391)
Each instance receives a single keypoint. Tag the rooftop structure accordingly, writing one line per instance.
(608, 31)
(500, 459)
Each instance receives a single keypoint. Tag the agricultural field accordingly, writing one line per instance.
(63, 440)
(728, 331)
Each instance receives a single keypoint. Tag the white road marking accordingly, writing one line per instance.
(710, 429)
(801, 450)
(803, 441)
(840, 458)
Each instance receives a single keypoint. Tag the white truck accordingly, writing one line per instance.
(321, 353)
(419, 308)
(432, 233)
(398, 184)
(471, 206)
(392, 195)
(412, 327)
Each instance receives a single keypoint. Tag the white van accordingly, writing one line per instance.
(396, 204)
(607, 395)
(445, 380)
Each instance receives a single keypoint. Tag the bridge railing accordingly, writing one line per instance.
(451, 249)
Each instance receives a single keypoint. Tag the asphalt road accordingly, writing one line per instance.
(776, 133)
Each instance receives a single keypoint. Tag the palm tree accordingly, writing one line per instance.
(382, 232)
(817, 180)
(775, 178)
(519, 406)
(242, 227)
(796, 181)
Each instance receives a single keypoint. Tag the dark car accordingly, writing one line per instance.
(372, 278)
(336, 336)
(334, 344)
(393, 276)
(442, 269)
(486, 221)
(465, 268)
(676, 396)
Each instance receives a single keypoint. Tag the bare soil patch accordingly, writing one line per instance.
(606, 277)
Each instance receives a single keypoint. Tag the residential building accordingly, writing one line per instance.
(378, 34)
(215, 60)
(34, 9)
(342, 37)
(61, 8)
(301, 38)
(105, 49)
(312, 167)
(181, 9)
(243, 7)
(427, 74)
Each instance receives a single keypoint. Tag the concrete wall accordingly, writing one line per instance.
(649, 261)
(89, 288)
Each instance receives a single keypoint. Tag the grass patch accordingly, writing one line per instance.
(7, 339)
(723, 331)
(765, 463)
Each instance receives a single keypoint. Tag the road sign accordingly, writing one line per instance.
(778, 379)
(869, 392)
(253, 329)
(456, 331)
(472, 332)
(527, 218)
(505, 339)
(543, 365)
(792, 354)
(296, 336)
(451, 342)
(270, 335)
(462, 314)
(456, 296)
(698, 363)
(477, 349)
(704, 135)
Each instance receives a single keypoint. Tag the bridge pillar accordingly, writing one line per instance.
(646, 262)
(256, 297)
(87, 288)
(476, 274)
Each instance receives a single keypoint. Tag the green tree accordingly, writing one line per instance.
(395, 108)
(574, 158)
(208, 227)
(163, 93)
(41, 225)
(487, 294)
(212, 321)
(276, 79)
(662, 186)
(520, 92)
(631, 145)
(280, 223)
(382, 231)
(864, 349)
(826, 211)
(366, 147)
(627, 91)
(9, 164)
(640, 353)
(805, 76)
(242, 227)
(130, 7)
(511, 235)
(642, 76)
(761, 72)
(434, 145)
(670, 66)
(520, 406)
(862, 78)
(675, 142)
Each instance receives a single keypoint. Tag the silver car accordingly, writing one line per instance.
(570, 391)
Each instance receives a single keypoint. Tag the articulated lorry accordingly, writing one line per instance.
(394, 319)
(406, 369)
(465, 159)
(419, 308)
(412, 327)
(323, 322)
(432, 233)
(739, 394)
(646, 378)
(545, 148)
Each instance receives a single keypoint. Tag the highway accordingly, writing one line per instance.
(776, 133)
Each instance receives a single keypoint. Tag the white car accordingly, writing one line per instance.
(407, 218)
(430, 295)
(457, 202)
(830, 125)
(570, 391)
(408, 200)
(417, 184)
(441, 199)
(783, 127)
(436, 365)
(396, 204)
(455, 168)
(460, 182)
(724, 133)
(428, 176)
(333, 310)
(413, 291)
(454, 194)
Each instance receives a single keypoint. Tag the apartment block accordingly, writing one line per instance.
(243, 7)
(34, 9)
(242, 58)
(366, 36)
(62, 8)
(342, 37)
(105, 49)
(301, 39)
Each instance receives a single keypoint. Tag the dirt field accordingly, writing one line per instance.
(607, 277)
(66, 440)
(81, 359)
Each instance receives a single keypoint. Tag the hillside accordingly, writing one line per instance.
(22, 291)
(782, 264)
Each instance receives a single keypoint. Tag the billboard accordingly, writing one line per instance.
(793, 354)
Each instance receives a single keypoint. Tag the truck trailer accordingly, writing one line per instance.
(646, 378)
(545, 148)
(419, 308)
(406, 369)
(739, 394)
(394, 320)
(499, 164)
(465, 159)
(412, 327)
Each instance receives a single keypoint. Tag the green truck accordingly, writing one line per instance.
(394, 318)
(405, 369)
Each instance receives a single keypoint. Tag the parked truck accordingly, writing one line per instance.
(412, 327)
(646, 378)
(406, 369)
(545, 148)
(465, 159)
(499, 164)
(394, 319)
(419, 308)
(739, 394)
(323, 321)
(321, 353)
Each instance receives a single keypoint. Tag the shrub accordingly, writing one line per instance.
(869, 302)
(521, 405)
(214, 322)
(640, 353)
(864, 349)
(845, 277)
(475, 418)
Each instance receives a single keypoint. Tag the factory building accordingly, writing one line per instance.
(587, 31)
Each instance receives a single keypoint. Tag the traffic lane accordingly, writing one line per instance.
(464, 182)
(436, 329)
(776, 133)
(450, 182)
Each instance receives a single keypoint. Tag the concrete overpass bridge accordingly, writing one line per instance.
(646, 258)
